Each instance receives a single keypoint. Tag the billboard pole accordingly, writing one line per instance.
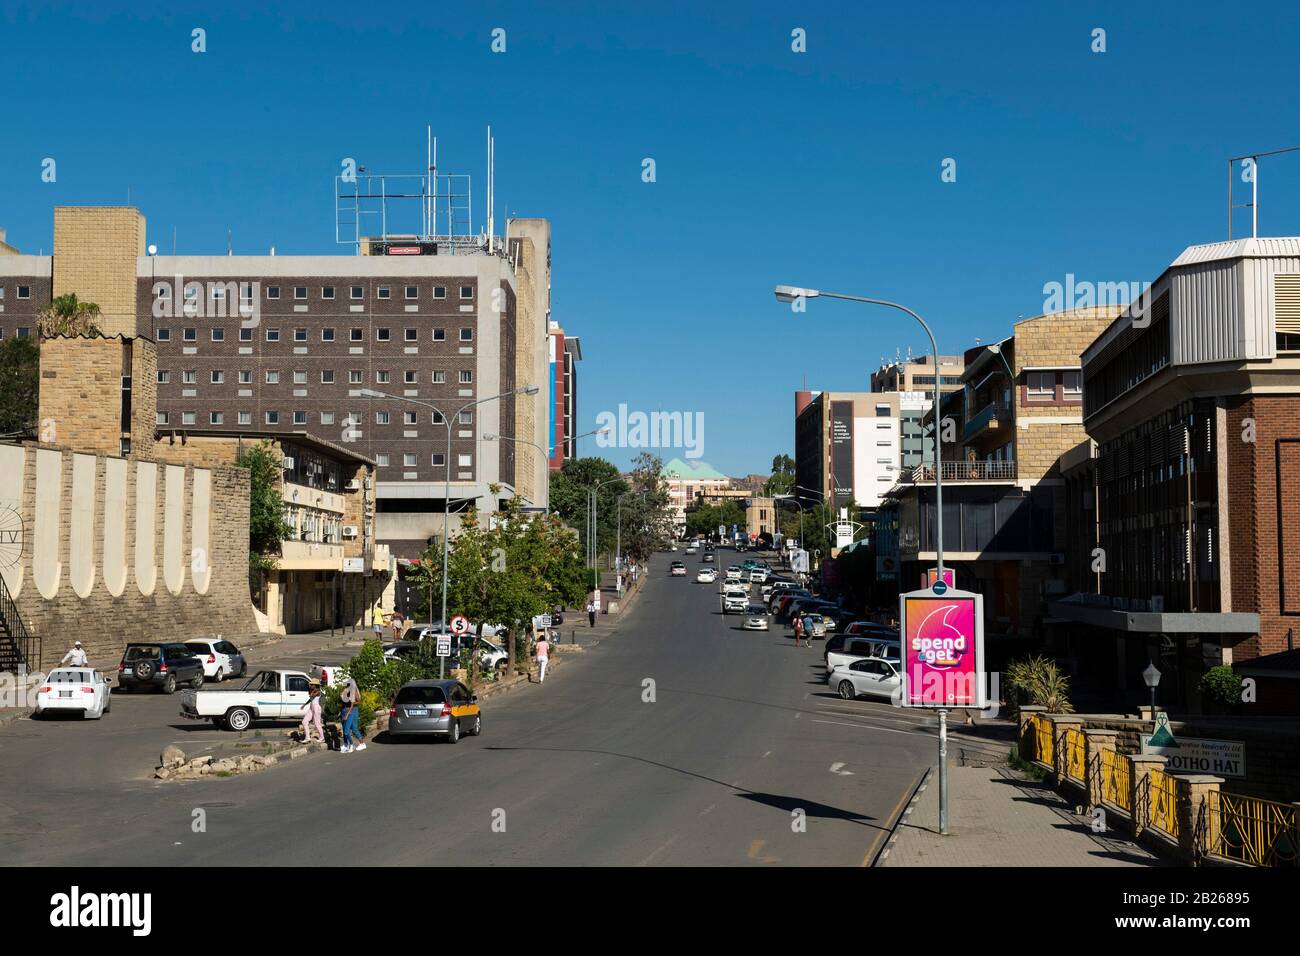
(943, 772)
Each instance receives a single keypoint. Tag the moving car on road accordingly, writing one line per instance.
(677, 569)
(160, 666)
(756, 618)
(220, 659)
(707, 576)
(442, 708)
(267, 695)
(733, 603)
(74, 690)
(870, 677)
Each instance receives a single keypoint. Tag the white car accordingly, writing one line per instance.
(221, 659)
(707, 576)
(869, 676)
(756, 618)
(758, 575)
(74, 689)
(735, 603)
(678, 570)
(692, 550)
(735, 572)
(855, 649)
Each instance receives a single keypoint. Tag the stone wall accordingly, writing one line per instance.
(95, 251)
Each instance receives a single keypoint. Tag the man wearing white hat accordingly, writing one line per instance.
(76, 657)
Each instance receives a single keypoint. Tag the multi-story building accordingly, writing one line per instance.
(687, 481)
(1019, 409)
(916, 383)
(1190, 555)
(566, 352)
(847, 446)
(250, 344)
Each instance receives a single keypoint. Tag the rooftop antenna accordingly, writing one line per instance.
(1254, 187)
(230, 251)
(491, 186)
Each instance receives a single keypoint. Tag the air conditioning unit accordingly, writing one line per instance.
(349, 531)
(353, 485)
(288, 462)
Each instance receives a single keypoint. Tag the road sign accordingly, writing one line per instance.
(939, 587)
(943, 648)
(459, 624)
(444, 645)
(541, 621)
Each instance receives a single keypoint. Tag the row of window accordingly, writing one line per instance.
(24, 292)
(190, 376)
(437, 460)
(217, 291)
(351, 420)
(1041, 386)
(326, 335)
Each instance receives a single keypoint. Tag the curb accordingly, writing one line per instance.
(17, 714)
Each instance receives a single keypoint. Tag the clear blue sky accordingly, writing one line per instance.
(820, 169)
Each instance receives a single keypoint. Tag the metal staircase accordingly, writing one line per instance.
(19, 650)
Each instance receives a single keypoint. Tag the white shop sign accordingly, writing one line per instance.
(1224, 758)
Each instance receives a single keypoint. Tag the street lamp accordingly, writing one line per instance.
(789, 293)
(1151, 677)
(446, 463)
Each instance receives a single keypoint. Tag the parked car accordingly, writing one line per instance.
(70, 690)
(869, 676)
(161, 666)
(756, 618)
(707, 576)
(443, 708)
(677, 569)
(856, 648)
(267, 695)
(871, 628)
(221, 659)
(883, 639)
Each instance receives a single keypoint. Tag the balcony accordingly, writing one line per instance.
(994, 419)
(310, 556)
(997, 471)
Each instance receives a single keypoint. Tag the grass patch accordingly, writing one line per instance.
(1021, 765)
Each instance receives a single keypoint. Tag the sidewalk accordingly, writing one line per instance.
(995, 818)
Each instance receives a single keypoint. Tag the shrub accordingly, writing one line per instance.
(332, 706)
(1222, 685)
(1041, 680)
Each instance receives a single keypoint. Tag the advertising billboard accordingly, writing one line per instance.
(943, 649)
(842, 450)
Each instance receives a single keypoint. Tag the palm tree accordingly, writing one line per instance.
(67, 316)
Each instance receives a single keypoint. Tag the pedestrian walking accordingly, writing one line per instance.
(398, 620)
(76, 656)
(798, 631)
(377, 619)
(312, 714)
(543, 652)
(591, 613)
(351, 699)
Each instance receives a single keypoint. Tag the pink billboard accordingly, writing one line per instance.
(942, 650)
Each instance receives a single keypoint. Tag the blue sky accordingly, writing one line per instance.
(820, 169)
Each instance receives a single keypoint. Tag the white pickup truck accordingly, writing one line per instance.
(267, 695)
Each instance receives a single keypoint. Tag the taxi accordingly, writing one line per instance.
(438, 708)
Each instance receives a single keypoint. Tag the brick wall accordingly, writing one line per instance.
(81, 392)
(95, 248)
(526, 346)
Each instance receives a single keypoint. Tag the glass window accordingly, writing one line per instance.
(273, 335)
(412, 292)
(354, 376)
(440, 292)
(300, 335)
(466, 418)
(438, 377)
(381, 460)
(408, 460)
(381, 377)
(218, 377)
(245, 335)
(1042, 385)
(467, 292)
(466, 376)
(187, 418)
(410, 334)
(409, 376)
(358, 292)
(300, 418)
(357, 335)
(327, 377)
(440, 335)
(467, 335)
(245, 418)
(164, 335)
(300, 292)
(327, 335)
(273, 418)
(299, 377)
(272, 378)
(327, 292)
(383, 335)
(381, 418)
(273, 292)
(327, 418)
(189, 376)
(160, 418)
(384, 292)
(190, 335)
(164, 377)
(216, 418)
(245, 376)
(218, 335)
(1072, 383)
(24, 292)
(408, 418)
(438, 459)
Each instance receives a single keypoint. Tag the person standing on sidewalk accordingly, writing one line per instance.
(351, 699)
(312, 714)
(591, 613)
(377, 620)
(798, 631)
(543, 653)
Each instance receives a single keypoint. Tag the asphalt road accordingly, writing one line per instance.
(740, 741)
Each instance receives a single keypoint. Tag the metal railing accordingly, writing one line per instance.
(968, 471)
(995, 410)
(1251, 830)
(1160, 803)
(1114, 779)
(1072, 748)
(1038, 740)
(18, 649)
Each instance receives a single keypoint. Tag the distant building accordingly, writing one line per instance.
(915, 382)
(686, 481)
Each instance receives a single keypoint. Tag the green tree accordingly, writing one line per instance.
(782, 480)
(647, 520)
(569, 499)
(705, 519)
(20, 368)
(266, 524)
(67, 316)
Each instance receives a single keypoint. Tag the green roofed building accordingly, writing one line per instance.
(686, 481)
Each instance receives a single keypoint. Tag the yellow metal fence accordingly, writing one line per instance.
(1251, 830)
(1161, 803)
(1116, 780)
(1076, 766)
(1038, 733)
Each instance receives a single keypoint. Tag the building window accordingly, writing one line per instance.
(440, 335)
(884, 411)
(382, 377)
(411, 335)
(1072, 383)
(438, 378)
(466, 376)
(467, 292)
(300, 292)
(300, 418)
(218, 335)
(24, 292)
(467, 335)
(160, 418)
(188, 418)
(358, 292)
(383, 335)
(218, 377)
(272, 378)
(408, 460)
(273, 292)
(300, 335)
(327, 418)
(381, 460)
(464, 461)
(216, 418)
(384, 292)
(438, 459)
(245, 376)
(190, 335)
(357, 335)
(354, 376)
(327, 335)
(466, 418)
(381, 418)
(409, 376)
(440, 292)
(245, 418)
(164, 377)
(438, 419)
(189, 376)
(327, 292)
(299, 377)
(245, 335)
(408, 418)
(412, 292)
(273, 335)
(1042, 385)
(327, 377)
(273, 418)
(164, 335)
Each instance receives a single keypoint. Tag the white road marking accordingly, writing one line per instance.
(766, 755)
(838, 769)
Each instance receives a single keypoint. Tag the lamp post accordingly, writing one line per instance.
(1151, 677)
(593, 513)
(446, 498)
(786, 293)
